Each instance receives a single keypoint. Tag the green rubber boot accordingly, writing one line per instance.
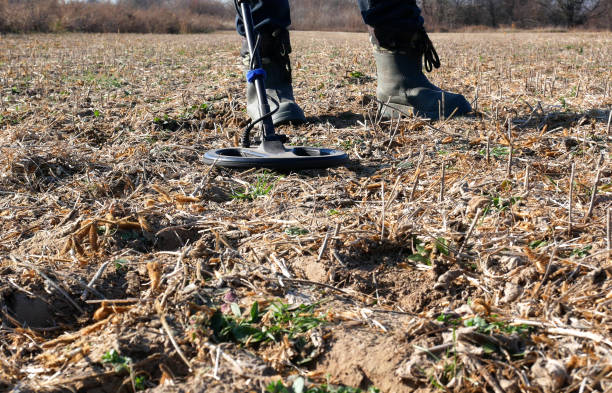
(402, 87)
(274, 49)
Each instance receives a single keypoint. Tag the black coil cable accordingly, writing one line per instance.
(245, 140)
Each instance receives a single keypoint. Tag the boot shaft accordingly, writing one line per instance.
(274, 49)
(414, 44)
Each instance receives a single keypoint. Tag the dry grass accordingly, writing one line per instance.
(481, 287)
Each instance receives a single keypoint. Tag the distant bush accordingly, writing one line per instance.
(338, 15)
(184, 16)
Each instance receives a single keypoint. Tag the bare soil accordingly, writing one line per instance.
(122, 254)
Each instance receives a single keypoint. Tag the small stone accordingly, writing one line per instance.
(511, 262)
(461, 188)
(570, 143)
(509, 386)
(597, 276)
(476, 203)
(550, 374)
(445, 280)
(511, 292)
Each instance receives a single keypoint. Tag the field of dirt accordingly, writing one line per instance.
(462, 255)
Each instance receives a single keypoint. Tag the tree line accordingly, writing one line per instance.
(452, 15)
(195, 16)
(457, 14)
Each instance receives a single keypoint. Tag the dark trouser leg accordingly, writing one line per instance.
(400, 45)
(268, 15)
(399, 15)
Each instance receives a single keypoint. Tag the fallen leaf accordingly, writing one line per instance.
(154, 269)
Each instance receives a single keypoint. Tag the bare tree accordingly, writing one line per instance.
(573, 12)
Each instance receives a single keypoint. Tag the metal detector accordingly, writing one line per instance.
(271, 152)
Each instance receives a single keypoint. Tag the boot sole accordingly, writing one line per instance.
(293, 116)
(393, 111)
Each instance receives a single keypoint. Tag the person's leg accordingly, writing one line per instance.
(268, 15)
(271, 19)
(400, 15)
(400, 47)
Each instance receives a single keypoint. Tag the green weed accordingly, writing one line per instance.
(449, 319)
(140, 382)
(422, 252)
(296, 231)
(281, 320)
(167, 123)
(537, 243)
(442, 246)
(121, 363)
(110, 81)
(196, 111)
(357, 77)
(263, 185)
(124, 364)
(350, 144)
(103, 81)
(498, 152)
(407, 164)
(421, 255)
(581, 252)
(494, 326)
(500, 204)
(121, 265)
(299, 386)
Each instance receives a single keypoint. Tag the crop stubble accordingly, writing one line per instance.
(479, 285)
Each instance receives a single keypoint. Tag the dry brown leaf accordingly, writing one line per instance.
(541, 261)
(144, 224)
(165, 195)
(279, 354)
(83, 231)
(93, 236)
(69, 337)
(76, 245)
(477, 202)
(154, 269)
(105, 310)
(185, 199)
(67, 246)
(336, 316)
(167, 377)
(124, 224)
(480, 306)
